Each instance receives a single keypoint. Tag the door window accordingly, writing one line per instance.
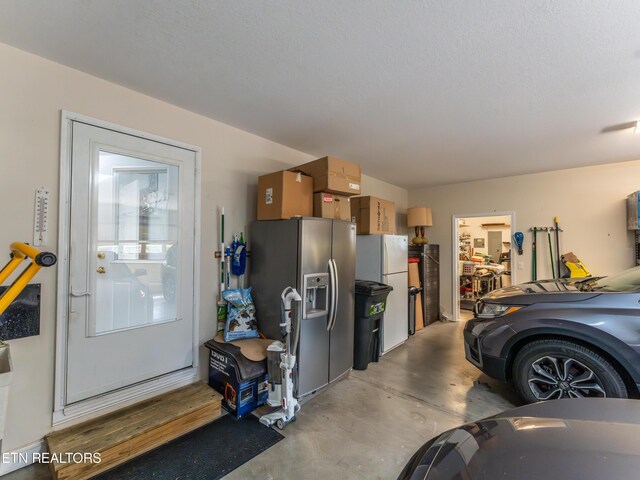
(137, 236)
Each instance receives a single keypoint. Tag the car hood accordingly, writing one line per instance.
(542, 291)
(524, 445)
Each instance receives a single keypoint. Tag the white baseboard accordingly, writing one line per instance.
(19, 457)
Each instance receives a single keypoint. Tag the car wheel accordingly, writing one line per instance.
(551, 369)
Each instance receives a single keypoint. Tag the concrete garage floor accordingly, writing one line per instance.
(368, 425)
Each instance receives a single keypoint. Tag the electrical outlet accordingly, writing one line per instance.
(520, 265)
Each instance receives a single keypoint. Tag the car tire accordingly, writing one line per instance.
(571, 366)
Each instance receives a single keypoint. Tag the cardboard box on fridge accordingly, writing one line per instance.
(329, 205)
(284, 194)
(373, 215)
(332, 175)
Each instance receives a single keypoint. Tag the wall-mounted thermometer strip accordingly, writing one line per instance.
(41, 217)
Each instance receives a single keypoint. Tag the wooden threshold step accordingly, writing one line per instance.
(124, 434)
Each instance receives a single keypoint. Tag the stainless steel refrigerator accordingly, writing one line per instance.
(317, 257)
(383, 258)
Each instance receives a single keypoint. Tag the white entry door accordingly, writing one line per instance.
(131, 261)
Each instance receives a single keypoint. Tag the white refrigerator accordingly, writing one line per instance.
(384, 259)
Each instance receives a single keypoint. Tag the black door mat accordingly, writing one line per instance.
(208, 453)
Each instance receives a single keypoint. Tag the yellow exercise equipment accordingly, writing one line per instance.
(19, 252)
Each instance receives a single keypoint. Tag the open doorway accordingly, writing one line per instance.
(482, 252)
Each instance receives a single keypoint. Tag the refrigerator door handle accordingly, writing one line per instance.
(385, 254)
(337, 292)
(332, 295)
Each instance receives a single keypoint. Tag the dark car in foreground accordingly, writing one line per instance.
(561, 338)
(586, 439)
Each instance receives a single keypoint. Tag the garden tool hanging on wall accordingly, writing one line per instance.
(534, 259)
(519, 239)
(553, 270)
(238, 256)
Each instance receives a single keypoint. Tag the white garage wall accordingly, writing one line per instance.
(32, 93)
(590, 203)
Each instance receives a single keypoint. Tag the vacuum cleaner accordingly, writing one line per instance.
(281, 361)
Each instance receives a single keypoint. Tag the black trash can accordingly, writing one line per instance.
(371, 300)
(413, 291)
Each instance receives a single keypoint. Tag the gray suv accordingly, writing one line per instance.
(561, 338)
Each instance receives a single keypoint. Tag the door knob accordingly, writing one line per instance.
(101, 255)
(101, 270)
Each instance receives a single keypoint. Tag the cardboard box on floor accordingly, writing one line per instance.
(414, 281)
(332, 175)
(330, 205)
(373, 215)
(284, 194)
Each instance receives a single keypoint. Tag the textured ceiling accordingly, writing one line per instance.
(419, 92)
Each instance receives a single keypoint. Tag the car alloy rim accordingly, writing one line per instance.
(563, 377)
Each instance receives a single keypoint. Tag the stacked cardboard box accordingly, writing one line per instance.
(284, 194)
(334, 181)
(324, 188)
(330, 205)
(373, 215)
(332, 175)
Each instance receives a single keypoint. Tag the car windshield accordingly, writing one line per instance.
(627, 281)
